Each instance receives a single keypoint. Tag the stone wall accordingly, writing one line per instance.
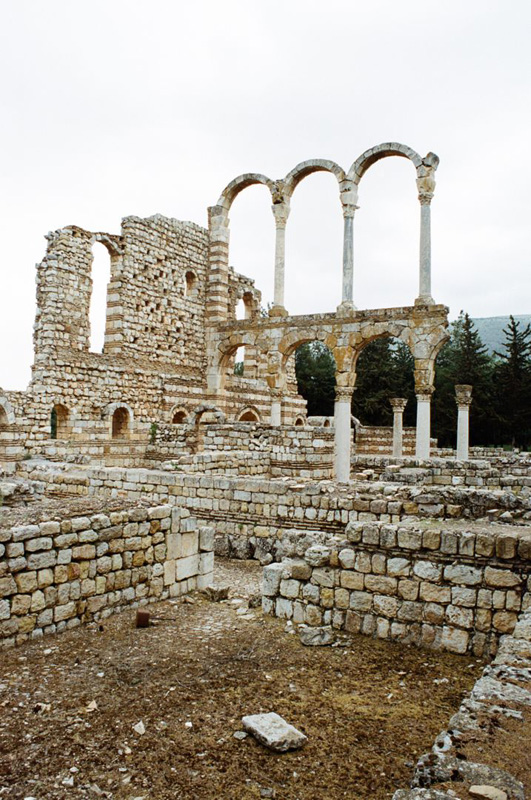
(66, 571)
(456, 591)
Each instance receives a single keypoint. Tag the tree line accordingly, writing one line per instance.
(500, 413)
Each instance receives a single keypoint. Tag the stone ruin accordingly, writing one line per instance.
(387, 537)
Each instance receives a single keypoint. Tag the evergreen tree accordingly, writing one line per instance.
(384, 370)
(315, 368)
(512, 376)
(464, 359)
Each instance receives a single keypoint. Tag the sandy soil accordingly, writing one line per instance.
(68, 705)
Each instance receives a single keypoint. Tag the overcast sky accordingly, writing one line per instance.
(124, 107)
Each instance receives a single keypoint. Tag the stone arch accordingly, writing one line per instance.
(248, 414)
(6, 412)
(178, 415)
(233, 189)
(190, 283)
(197, 413)
(382, 331)
(60, 421)
(374, 154)
(300, 421)
(305, 168)
(121, 418)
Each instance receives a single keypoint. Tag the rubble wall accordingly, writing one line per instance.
(455, 591)
(63, 572)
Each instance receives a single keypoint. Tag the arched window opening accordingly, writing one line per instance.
(190, 280)
(120, 423)
(314, 246)
(179, 418)
(315, 371)
(384, 369)
(386, 236)
(4, 422)
(59, 427)
(101, 275)
(249, 416)
(326, 423)
(239, 361)
(252, 238)
(241, 310)
(299, 421)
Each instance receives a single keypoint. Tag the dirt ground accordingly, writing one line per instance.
(68, 705)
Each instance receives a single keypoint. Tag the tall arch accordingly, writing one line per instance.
(385, 150)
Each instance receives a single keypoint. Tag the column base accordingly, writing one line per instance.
(346, 308)
(425, 300)
(278, 311)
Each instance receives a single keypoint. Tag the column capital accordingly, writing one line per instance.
(281, 212)
(426, 182)
(344, 394)
(277, 394)
(349, 197)
(463, 394)
(424, 394)
(398, 403)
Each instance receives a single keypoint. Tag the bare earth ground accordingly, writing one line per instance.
(68, 705)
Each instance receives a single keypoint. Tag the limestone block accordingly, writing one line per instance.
(317, 556)
(347, 558)
(283, 608)
(313, 615)
(25, 582)
(434, 613)
(432, 593)
(206, 539)
(504, 621)
(454, 639)
(311, 593)
(384, 605)
(5, 611)
(274, 732)
(290, 588)
(361, 601)
(398, 567)
(501, 577)
(271, 577)
(325, 576)
(462, 617)
(427, 570)
(459, 573)
(206, 563)
(381, 584)
(463, 597)
(7, 586)
(351, 580)
(408, 589)
(187, 567)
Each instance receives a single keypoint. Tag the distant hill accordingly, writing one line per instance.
(491, 329)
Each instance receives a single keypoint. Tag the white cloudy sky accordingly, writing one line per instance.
(119, 107)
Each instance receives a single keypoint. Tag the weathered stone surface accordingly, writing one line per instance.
(316, 637)
(274, 732)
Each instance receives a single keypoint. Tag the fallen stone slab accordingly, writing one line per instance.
(274, 732)
(487, 793)
(316, 637)
(217, 593)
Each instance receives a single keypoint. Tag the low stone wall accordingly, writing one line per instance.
(503, 692)
(62, 572)
(253, 516)
(456, 591)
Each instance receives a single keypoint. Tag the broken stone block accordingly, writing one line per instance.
(217, 593)
(316, 637)
(274, 732)
(487, 793)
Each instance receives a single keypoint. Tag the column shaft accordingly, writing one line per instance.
(422, 447)
(342, 436)
(276, 411)
(280, 256)
(399, 404)
(462, 433)
(347, 295)
(425, 252)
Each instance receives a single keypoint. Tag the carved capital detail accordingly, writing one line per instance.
(399, 404)
(344, 393)
(281, 213)
(463, 394)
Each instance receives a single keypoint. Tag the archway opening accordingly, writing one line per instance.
(299, 421)
(3, 419)
(315, 377)
(384, 369)
(239, 362)
(252, 238)
(120, 423)
(314, 246)
(386, 235)
(101, 276)
(249, 416)
(179, 418)
(59, 422)
(190, 284)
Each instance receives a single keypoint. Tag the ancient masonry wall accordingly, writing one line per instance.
(440, 589)
(64, 572)
(256, 516)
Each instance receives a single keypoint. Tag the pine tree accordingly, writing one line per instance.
(513, 384)
(315, 368)
(384, 370)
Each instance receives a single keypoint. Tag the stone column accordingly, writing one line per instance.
(422, 447)
(342, 433)
(281, 214)
(276, 407)
(399, 404)
(349, 197)
(426, 188)
(218, 256)
(463, 396)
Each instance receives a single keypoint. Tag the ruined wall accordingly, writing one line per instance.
(456, 591)
(66, 571)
